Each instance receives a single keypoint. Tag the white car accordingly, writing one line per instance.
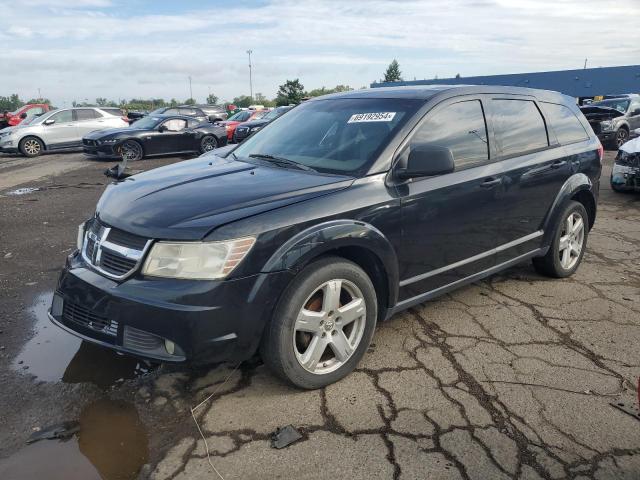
(58, 129)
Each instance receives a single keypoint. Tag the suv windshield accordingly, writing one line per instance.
(620, 104)
(342, 135)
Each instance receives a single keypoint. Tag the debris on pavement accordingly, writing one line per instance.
(283, 437)
(61, 431)
(23, 191)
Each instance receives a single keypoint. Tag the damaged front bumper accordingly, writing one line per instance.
(624, 177)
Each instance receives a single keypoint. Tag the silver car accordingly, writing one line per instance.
(58, 129)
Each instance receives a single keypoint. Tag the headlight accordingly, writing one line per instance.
(255, 129)
(108, 140)
(80, 239)
(606, 125)
(196, 260)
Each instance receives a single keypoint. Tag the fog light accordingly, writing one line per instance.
(169, 346)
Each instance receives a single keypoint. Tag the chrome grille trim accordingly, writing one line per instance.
(113, 260)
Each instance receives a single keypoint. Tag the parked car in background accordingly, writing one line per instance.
(184, 110)
(11, 119)
(247, 128)
(625, 174)
(240, 117)
(613, 119)
(56, 130)
(345, 211)
(215, 113)
(155, 135)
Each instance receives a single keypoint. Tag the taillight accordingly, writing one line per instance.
(601, 152)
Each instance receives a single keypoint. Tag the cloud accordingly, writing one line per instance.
(124, 49)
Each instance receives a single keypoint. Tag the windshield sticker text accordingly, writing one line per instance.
(372, 117)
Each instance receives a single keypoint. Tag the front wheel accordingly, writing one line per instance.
(622, 136)
(131, 151)
(322, 325)
(208, 143)
(31, 147)
(568, 244)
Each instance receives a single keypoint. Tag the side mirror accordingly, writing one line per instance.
(426, 160)
(50, 121)
(23, 115)
(633, 114)
(163, 128)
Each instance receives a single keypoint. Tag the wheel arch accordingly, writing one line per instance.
(37, 137)
(356, 241)
(578, 187)
(136, 140)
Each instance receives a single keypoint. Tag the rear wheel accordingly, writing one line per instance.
(208, 144)
(31, 146)
(131, 151)
(323, 324)
(568, 244)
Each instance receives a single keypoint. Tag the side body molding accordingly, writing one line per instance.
(573, 185)
(332, 235)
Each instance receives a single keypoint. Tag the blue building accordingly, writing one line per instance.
(582, 84)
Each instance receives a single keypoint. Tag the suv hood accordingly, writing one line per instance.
(632, 146)
(600, 113)
(186, 200)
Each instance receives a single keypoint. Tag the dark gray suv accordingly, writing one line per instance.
(613, 119)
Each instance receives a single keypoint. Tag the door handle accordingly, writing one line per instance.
(558, 164)
(491, 182)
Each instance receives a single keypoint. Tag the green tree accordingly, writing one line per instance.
(393, 73)
(101, 101)
(189, 101)
(458, 75)
(212, 99)
(316, 92)
(291, 91)
(10, 103)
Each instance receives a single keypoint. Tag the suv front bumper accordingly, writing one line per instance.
(167, 320)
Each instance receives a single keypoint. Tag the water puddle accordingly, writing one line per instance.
(53, 355)
(112, 445)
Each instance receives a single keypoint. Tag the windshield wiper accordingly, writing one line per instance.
(281, 161)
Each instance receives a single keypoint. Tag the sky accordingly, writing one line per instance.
(83, 49)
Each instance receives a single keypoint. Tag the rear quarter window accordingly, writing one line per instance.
(565, 123)
(518, 125)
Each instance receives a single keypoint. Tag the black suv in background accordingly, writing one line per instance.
(613, 119)
(247, 128)
(346, 210)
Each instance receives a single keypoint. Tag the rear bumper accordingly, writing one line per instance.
(207, 321)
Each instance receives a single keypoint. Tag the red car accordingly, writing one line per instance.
(11, 119)
(241, 117)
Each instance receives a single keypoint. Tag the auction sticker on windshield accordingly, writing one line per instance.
(372, 117)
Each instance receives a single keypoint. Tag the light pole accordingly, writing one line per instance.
(190, 89)
(249, 52)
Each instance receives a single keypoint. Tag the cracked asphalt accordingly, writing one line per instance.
(509, 378)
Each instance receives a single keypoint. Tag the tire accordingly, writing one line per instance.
(319, 338)
(622, 136)
(208, 143)
(31, 146)
(557, 262)
(132, 150)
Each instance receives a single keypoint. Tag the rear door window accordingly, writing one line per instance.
(566, 125)
(86, 115)
(519, 126)
(461, 127)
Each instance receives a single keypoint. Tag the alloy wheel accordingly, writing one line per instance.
(621, 137)
(571, 241)
(329, 326)
(32, 147)
(208, 144)
(131, 151)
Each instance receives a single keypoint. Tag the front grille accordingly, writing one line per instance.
(628, 159)
(115, 264)
(74, 313)
(111, 251)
